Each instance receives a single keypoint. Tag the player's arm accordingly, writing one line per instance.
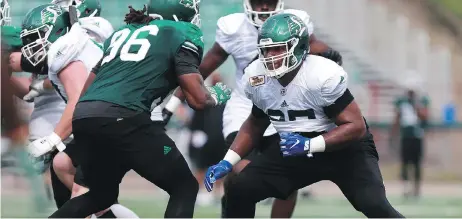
(191, 82)
(249, 134)
(317, 46)
(73, 78)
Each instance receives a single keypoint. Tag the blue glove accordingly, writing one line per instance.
(293, 144)
(216, 172)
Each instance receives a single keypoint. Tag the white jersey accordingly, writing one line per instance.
(238, 37)
(301, 105)
(82, 43)
(48, 108)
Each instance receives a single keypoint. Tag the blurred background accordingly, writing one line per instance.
(389, 48)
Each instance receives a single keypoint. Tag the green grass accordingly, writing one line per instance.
(145, 207)
(452, 5)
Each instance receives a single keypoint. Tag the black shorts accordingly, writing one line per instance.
(75, 153)
(271, 175)
(260, 147)
(411, 150)
(113, 146)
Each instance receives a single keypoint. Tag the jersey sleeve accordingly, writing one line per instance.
(193, 39)
(305, 17)
(67, 49)
(335, 94)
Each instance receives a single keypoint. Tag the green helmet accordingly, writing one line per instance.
(175, 10)
(5, 19)
(288, 33)
(41, 27)
(85, 8)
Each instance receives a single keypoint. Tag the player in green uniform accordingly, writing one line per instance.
(143, 62)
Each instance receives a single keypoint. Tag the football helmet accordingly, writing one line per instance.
(5, 19)
(287, 33)
(254, 16)
(85, 8)
(176, 10)
(41, 27)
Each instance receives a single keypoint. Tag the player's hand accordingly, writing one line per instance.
(35, 90)
(293, 144)
(333, 55)
(166, 116)
(220, 92)
(45, 144)
(216, 172)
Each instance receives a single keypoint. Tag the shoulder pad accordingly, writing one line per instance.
(97, 27)
(230, 24)
(324, 68)
(304, 16)
(193, 36)
(66, 48)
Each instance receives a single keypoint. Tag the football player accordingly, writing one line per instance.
(159, 49)
(69, 52)
(323, 135)
(236, 36)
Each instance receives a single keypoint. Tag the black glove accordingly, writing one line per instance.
(166, 116)
(332, 55)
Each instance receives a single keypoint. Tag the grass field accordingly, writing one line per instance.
(436, 207)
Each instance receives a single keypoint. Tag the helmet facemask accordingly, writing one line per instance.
(5, 19)
(254, 16)
(36, 43)
(278, 65)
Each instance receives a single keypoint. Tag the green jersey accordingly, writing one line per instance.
(137, 70)
(11, 38)
(411, 125)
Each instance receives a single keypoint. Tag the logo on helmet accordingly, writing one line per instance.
(50, 14)
(295, 25)
(189, 4)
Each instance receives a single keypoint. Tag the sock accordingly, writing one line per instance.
(121, 211)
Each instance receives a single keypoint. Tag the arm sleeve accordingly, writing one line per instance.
(257, 112)
(186, 61)
(335, 94)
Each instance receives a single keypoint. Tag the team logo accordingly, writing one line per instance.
(50, 14)
(257, 80)
(283, 91)
(189, 4)
(295, 25)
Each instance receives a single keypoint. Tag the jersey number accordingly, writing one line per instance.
(278, 115)
(119, 38)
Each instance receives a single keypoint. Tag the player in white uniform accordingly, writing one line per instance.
(71, 52)
(236, 36)
(323, 133)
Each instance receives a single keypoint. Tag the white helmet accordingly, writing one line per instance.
(5, 19)
(253, 16)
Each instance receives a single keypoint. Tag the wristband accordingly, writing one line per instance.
(317, 144)
(232, 157)
(173, 103)
(56, 140)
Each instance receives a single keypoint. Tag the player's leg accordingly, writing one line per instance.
(268, 175)
(115, 211)
(417, 160)
(60, 192)
(358, 176)
(154, 156)
(64, 169)
(282, 208)
(102, 166)
(406, 154)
